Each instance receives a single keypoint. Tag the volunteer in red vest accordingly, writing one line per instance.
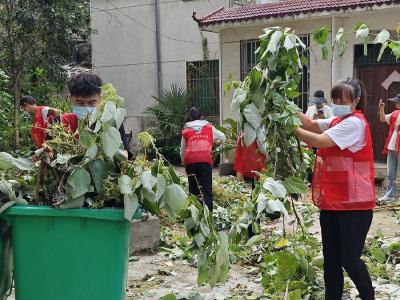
(85, 94)
(249, 159)
(343, 187)
(198, 137)
(391, 148)
(42, 115)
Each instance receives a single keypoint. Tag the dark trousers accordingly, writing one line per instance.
(343, 240)
(200, 181)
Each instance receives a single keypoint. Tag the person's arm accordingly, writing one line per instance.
(319, 140)
(309, 125)
(218, 135)
(124, 139)
(182, 149)
(382, 118)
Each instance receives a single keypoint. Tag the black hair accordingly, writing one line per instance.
(85, 84)
(351, 89)
(27, 99)
(193, 114)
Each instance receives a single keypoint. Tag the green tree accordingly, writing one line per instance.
(39, 34)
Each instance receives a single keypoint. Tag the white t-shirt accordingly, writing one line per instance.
(312, 110)
(348, 134)
(45, 112)
(392, 141)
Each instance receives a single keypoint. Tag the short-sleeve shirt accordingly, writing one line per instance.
(393, 138)
(348, 134)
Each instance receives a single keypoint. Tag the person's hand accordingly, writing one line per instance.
(381, 104)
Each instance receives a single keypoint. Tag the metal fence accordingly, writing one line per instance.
(203, 84)
(248, 59)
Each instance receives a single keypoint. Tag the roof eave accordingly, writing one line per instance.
(218, 26)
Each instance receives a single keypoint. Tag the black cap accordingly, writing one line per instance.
(395, 98)
(319, 97)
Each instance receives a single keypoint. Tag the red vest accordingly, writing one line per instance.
(248, 159)
(393, 118)
(198, 145)
(344, 180)
(38, 133)
(70, 122)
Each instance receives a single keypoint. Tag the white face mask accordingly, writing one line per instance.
(341, 110)
(82, 111)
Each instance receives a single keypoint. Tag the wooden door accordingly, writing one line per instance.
(373, 76)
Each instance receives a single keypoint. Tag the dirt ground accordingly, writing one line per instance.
(153, 275)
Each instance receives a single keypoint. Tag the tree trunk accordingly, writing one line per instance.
(17, 97)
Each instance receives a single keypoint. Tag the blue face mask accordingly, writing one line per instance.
(26, 115)
(81, 111)
(340, 110)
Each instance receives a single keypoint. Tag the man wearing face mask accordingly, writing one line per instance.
(85, 95)
(42, 115)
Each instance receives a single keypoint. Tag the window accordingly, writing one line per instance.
(203, 83)
(248, 59)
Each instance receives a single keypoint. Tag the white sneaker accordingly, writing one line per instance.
(385, 200)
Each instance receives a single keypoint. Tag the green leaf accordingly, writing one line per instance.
(258, 100)
(366, 40)
(174, 198)
(274, 41)
(256, 78)
(111, 141)
(382, 37)
(238, 97)
(73, 203)
(222, 257)
(148, 180)
(119, 116)
(382, 50)
(199, 239)
(87, 139)
(290, 41)
(7, 189)
(79, 181)
(125, 185)
(61, 159)
(339, 40)
(175, 178)
(169, 297)
(254, 240)
(395, 46)
(227, 88)
(287, 265)
(194, 213)
(295, 185)
(99, 171)
(91, 152)
(294, 295)
(9, 162)
(362, 31)
(378, 255)
(276, 188)
(321, 35)
(325, 52)
(131, 203)
(252, 115)
(161, 186)
(109, 111)
(249, 134)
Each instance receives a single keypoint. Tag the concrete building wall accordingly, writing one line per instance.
(323, 74)
(124, 47)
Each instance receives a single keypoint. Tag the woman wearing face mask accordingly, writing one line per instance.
(343, 187)
(391, 148)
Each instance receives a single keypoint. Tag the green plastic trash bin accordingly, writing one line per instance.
(72, 254)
